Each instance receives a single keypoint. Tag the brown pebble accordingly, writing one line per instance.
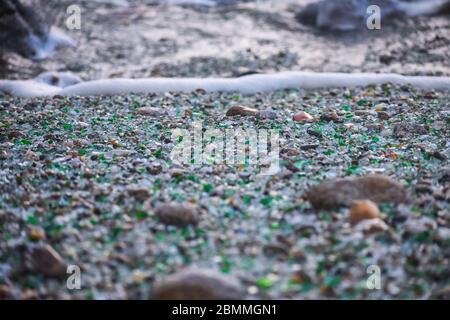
(302, 117)
(154, 168)
(46, 261)
(198, 284)
(177, 214)
(363, 210)
(140, 194)
(37, 234)
(241, 111)
(329, 115)
(14, 134)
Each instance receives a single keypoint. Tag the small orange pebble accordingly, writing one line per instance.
(37, 234)
(302, 116)
(363, 210)
(392, 156)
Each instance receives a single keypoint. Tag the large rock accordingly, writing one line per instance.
(334, 193)
(198, 284)
(177, 214)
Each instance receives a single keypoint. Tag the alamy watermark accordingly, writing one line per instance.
(254, 149)
(373, 282)
(73, 21)
(74, 280)
(373, 22)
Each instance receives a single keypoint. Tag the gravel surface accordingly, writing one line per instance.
(92, 178)
(90, 181)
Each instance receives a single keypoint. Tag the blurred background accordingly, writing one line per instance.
(148, 38)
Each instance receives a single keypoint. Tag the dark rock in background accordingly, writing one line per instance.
(20, 22)
(349, 15)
